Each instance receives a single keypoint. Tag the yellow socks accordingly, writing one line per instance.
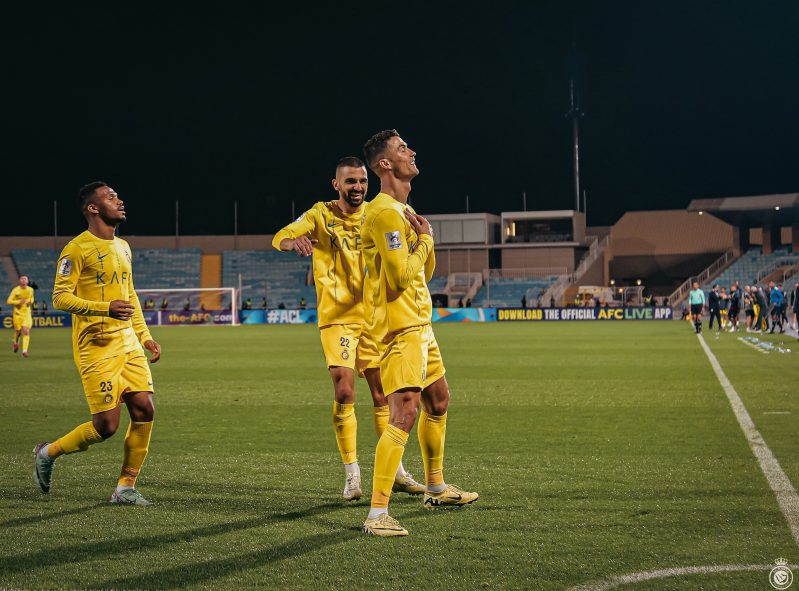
(79, 439)
(381, 418)
(388, 456)
(137, 442)
(26, 339)
(432, 431)
(346, 427)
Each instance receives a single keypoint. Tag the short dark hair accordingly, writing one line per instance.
(375, 146)
(352, 161)
(87, 192)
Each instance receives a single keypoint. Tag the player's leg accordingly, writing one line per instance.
(403, 408)
(403, 480)
(137, 444)
(345, 427)
(339, 344)
(26, 339)
(136, 385)
(101, 385)
(432, 432)
(17, 332)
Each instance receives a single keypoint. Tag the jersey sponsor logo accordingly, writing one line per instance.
(65, 267)
(393, 240)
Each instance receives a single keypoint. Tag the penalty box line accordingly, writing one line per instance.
(787, 497)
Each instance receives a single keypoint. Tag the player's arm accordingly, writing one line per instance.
(70, 265)
(298, 235)
(400, 264)
(430, 264)
(140, 326)
(13, 298)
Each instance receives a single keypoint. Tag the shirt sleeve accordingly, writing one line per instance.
(139, 325)
(70, 265)
(302, 226)
(400, 264)
(13, 298)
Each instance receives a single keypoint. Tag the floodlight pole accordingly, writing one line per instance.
(574, 114)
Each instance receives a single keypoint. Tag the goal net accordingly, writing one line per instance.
(206, 305)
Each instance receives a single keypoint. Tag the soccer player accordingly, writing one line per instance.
(735, 306)
(330, 231)
(776, 300)
(94, 281)
(398, 250)
(696, 299)
(21, 298)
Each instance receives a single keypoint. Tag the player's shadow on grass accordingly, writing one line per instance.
(20, 521)
(201, 572)
(94, 550)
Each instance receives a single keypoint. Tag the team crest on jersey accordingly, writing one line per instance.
(65, 267)
(393, 240)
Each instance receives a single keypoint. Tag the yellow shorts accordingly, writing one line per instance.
(411, 359)
(21, 322)
(346, 345)
(107, 380)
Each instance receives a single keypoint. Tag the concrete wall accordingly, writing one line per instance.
(521, 258)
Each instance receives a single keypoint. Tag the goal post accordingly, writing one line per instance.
(190, 306)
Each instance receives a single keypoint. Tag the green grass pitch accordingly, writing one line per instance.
(598, 449)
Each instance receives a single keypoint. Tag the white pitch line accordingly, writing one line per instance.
(777, 412)
(618, 581)
(787, 497)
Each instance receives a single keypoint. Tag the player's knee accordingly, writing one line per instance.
(105, 429)
(344, 394)
(439, 405)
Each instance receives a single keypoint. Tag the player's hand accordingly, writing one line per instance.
(418, 223)
(303, 245)
(23, 302)
(154, 349)
(121, 310)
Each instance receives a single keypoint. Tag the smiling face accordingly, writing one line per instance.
(351, 183)
(106, 204)
(400, 159)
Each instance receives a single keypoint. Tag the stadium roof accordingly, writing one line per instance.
(782, 209)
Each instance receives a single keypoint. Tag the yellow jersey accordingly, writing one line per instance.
(398, 265)
(337, 263)
(18, 294)
(91, 273)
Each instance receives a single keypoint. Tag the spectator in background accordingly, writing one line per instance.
(795, 306)
(302, 303)
(247, 304)
(468, 303)
(552, 302)
(263, 303)
(44, 307)
(281, 306)
(524, 301)
(460, 303)
(34, 307)
(187, 305)
(164, 304)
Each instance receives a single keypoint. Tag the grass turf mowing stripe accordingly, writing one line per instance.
(787, 498)
(663, 573)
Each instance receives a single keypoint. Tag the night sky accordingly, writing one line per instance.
(255, 104)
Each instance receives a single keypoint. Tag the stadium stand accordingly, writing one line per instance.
(751, 266)
(39, 265)
(6, 284)
(437, 284)
(508, 292)
(160, 268)
(280, 277)
(154, 268)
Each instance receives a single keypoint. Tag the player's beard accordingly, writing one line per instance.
(352, 202)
